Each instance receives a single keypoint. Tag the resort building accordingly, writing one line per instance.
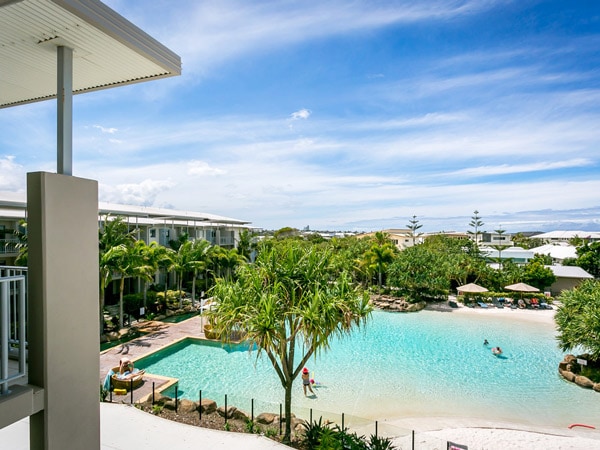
(567, 277)
(53, 49)
(401, 238)
(517, 255)
(558, 251)
(158, 225)
(566, 236)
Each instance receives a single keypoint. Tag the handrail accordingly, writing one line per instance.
(8, 246)
(13, 284)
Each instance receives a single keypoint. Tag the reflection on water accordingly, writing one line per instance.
(400, 365)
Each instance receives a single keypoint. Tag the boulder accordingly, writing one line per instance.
(208, 406)
(169, 403)
(230, 411)
(596, 387)
(240, 415)
(585, 382)
(187, 406)
(266, 418)
(567, 375)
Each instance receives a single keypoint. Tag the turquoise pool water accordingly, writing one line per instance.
(402, 365)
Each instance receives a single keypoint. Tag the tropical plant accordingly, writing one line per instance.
(290, 304)
(126, 262)
(22, 247)
(379, 256)
(588, 258)
(113, 232)
(578, 318)
(536, 274)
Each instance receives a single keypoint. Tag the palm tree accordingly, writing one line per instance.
(199, 262)
(289, 303)
(147, 254)
(380, 256)
(112, 233)
(126, 262)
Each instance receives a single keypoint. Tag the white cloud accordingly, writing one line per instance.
(141, 194)
(504, 169)
(106, 130)
(301, 114)
(12, 174)
(202, 168)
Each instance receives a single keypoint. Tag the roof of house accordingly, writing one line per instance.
(569, 272)
(108, 50)
(568, 234)
(556, 251)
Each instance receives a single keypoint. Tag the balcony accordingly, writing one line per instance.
(13, 332)
(9, 246)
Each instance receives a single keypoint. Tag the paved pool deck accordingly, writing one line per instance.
(160, 335)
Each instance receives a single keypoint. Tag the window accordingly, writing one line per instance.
(152, 232)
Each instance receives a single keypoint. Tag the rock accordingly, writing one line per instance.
(208, 406)
(596, 387)
(230, 411)
(584, 382)
(567, 375)
(240, 415)
(169, 403)
(187, 406)
(266, 418)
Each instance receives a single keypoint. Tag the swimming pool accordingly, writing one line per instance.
(402, 365)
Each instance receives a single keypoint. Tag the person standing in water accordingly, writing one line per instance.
(306, 381)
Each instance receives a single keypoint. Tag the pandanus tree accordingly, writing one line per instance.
(290, 303)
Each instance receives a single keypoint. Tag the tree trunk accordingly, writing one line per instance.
(194, 288)
(101, 309)
(121, 289)
(288, 412)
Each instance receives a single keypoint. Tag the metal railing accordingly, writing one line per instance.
(13, 315)
(9, 246)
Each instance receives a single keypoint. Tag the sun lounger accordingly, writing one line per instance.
(482, 304)
(452, 304)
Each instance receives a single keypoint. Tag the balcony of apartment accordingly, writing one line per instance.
(14, 388)
(9, 247)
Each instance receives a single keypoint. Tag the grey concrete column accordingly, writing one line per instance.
(63, 310)
(64, 99)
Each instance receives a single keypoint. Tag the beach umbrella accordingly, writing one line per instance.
(471, 288)
(521, 287)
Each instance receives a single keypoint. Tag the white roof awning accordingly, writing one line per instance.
(108, 50)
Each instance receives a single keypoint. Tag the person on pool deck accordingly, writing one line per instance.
(306, 381)
(126, 370)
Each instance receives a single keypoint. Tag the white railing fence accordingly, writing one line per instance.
(13, 316)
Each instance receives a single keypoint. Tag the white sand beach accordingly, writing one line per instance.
(434, 432)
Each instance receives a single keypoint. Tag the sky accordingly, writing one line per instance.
(346, 115)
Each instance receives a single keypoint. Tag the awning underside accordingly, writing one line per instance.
(107, 49)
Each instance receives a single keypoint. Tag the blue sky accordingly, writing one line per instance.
(347, 115)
